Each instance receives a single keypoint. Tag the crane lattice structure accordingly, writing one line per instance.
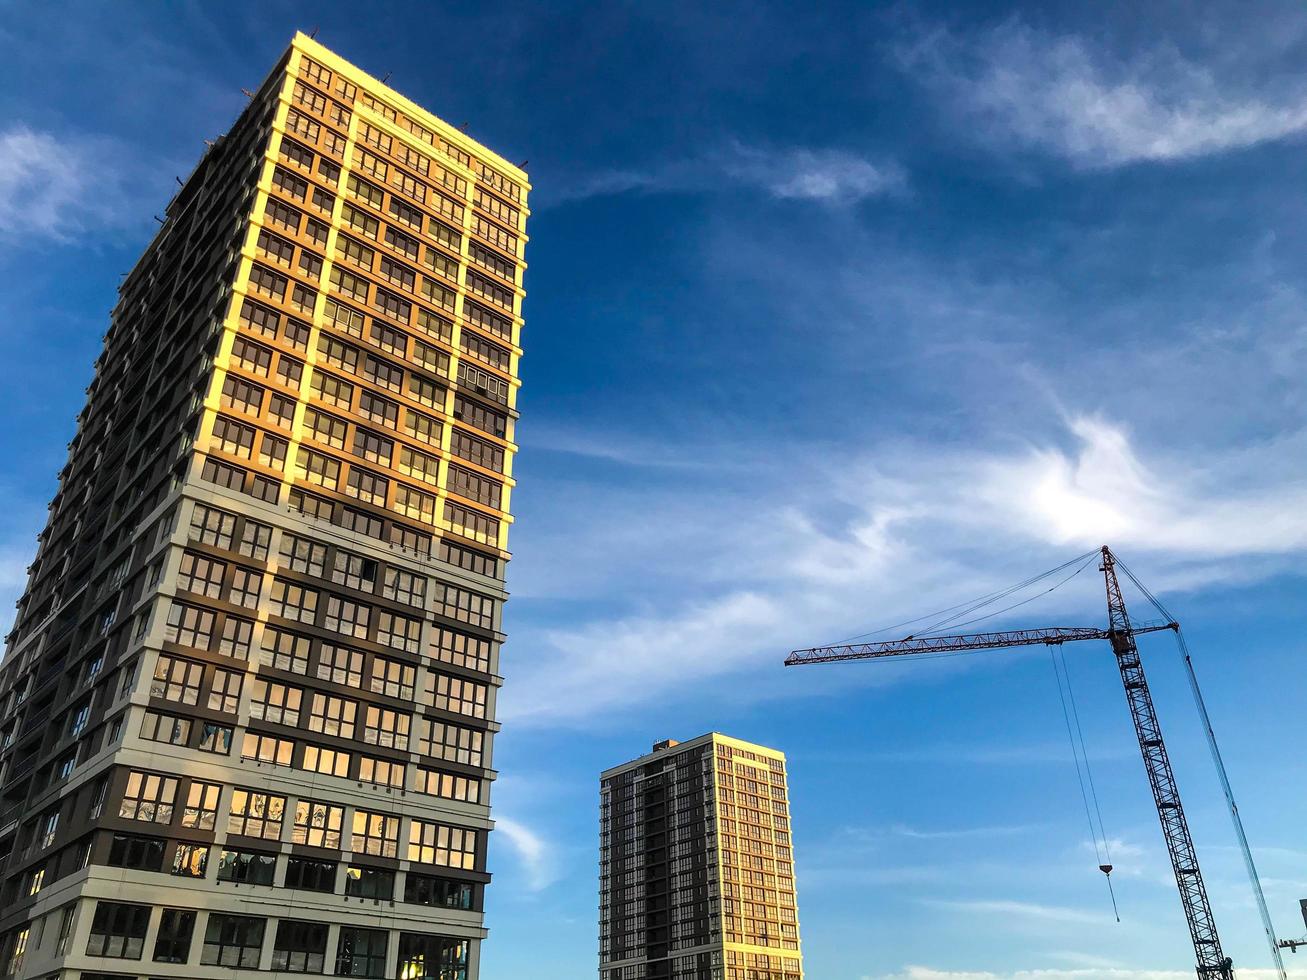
(1212, 963)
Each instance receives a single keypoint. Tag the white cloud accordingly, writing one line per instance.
(57, 188)
(826, 176)
(1065, 96)
(534, 854)
(784, 576)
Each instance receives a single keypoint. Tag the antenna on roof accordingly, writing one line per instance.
(524, 163)
(247, 93)
(386, 79)
(179, 180)
(313, 33)
(462, 127)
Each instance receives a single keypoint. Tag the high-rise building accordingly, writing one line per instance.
(248, 702)
(696, 866)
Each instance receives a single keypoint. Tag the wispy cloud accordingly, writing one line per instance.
(1070, 97)
(533, 853)
(1022, 910)
(832, 177)
(57, 188)
(913, 514)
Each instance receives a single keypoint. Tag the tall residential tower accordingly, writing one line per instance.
(696, 867)
(247, 707)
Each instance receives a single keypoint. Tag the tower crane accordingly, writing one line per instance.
(1212, 963)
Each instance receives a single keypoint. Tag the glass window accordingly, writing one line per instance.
(438, 843)
(131, 851)
(375, 833)
(311, 875)
(190, 860)
(331, 762)
(440, 892)
(300, 947)
(361, 953)
(148, 797)
(118, 930)
(423, 955)
(255, 814)
(173, 943)
(362, 882)
(247, 867)
(232, 941)
(201, 810)
(317, 824)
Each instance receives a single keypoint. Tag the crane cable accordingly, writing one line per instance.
(1067, 696)
(1210, 732)
(1038, 595)
(971, 605)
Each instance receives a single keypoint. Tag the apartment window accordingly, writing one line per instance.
(302, 554)
(422, 427)
(215, 738)
(471, 524)
(363, 223)
(385, 374)
(289, 371)
(480, 417)
(219, 473)
(406, 587)
(292, 601)
(255, 814)
(290, 184)
(232, 941)
(255, 540)
(65, 932)
(253, 357)
(426, 392)
(316, 231)
(275, 702)
(267, 748)
(400, 275)
(344, 318)
(392, 678)
(118, 930)
(482, 489)
(399, 632)
(310, 505)
(347, 617)
(386, 727)
(326, 428)
(242, 396)
(332, 390)
(430, 358)
(225, 692)
(298, 123)
(381, 772)
(232, 437)
(437, 843)
(363, 882)
(190, 860)
(356, 252)
(201, 810)
(300, 947)
(311, 875)
(283, 216)
(467, 607)
(400, 242)
(415, 504)
(435, 325)
(173, 943)
(340, 665)
(148, 797)
(348, 284)
(331, 715)
(409, 539)
(365, 191)
(189, 626)
(425, 468)
(452, 743)
(376, 834)
(361, 522)
(201, 575)
(380, 410)
(449, 786)
(281, 412)
(361, 953)
(285, 651)
(317, 824)
(329, 762)
(462, 650)
(131, 851)
(50, 828)
(297, 333)
(245, 587)
(317, 468)
(236, 636)
(169, 729)
(425, 955)
(247, 867)
(368, 487)
(461, 696)
(489, 321)
(212, 526)
(296, 153)
(372, 447)
(439, 892)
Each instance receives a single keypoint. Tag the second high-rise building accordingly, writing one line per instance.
(696, 878)
(248, 703)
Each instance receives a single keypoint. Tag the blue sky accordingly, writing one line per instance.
(834, 317)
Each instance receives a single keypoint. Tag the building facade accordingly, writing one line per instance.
(696, 865)
(247, 707)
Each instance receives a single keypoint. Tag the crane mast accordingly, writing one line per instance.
(1212, 963)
